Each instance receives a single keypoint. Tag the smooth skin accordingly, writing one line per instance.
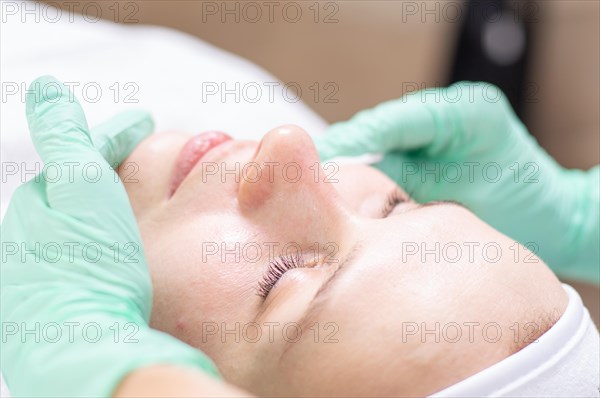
(363, 304)
(465, 143)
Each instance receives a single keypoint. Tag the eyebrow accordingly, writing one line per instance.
(317, 301)
(344, 261)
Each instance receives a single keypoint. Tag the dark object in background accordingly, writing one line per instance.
(494, 46)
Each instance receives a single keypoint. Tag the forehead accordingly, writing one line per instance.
(394, 266)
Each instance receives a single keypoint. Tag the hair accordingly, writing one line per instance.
(530, 331)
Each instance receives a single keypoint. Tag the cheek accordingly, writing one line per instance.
(331, 342)
(197, 277)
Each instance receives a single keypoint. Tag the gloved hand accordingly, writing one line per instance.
(76, 292)
(465, 143)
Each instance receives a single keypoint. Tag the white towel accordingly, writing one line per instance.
(564, 362)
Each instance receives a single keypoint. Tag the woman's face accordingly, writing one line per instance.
(306, 279)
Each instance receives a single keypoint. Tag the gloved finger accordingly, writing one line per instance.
(57, 122)
(404, 124)
(117, 137)
(428, 119)
(79, 180)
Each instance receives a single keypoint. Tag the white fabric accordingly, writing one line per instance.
(172, 73)
(564, 362)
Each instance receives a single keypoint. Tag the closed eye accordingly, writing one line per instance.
(393, 199)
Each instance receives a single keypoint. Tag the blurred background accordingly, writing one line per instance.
(544, 54)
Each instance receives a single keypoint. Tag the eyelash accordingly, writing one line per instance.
(394, 198)
(281, 265)
(276, 269)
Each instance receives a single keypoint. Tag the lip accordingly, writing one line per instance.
(192, 152)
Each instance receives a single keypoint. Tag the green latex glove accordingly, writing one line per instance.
(465, 143)
(75, 321)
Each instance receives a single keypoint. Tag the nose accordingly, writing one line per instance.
(285, 171)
